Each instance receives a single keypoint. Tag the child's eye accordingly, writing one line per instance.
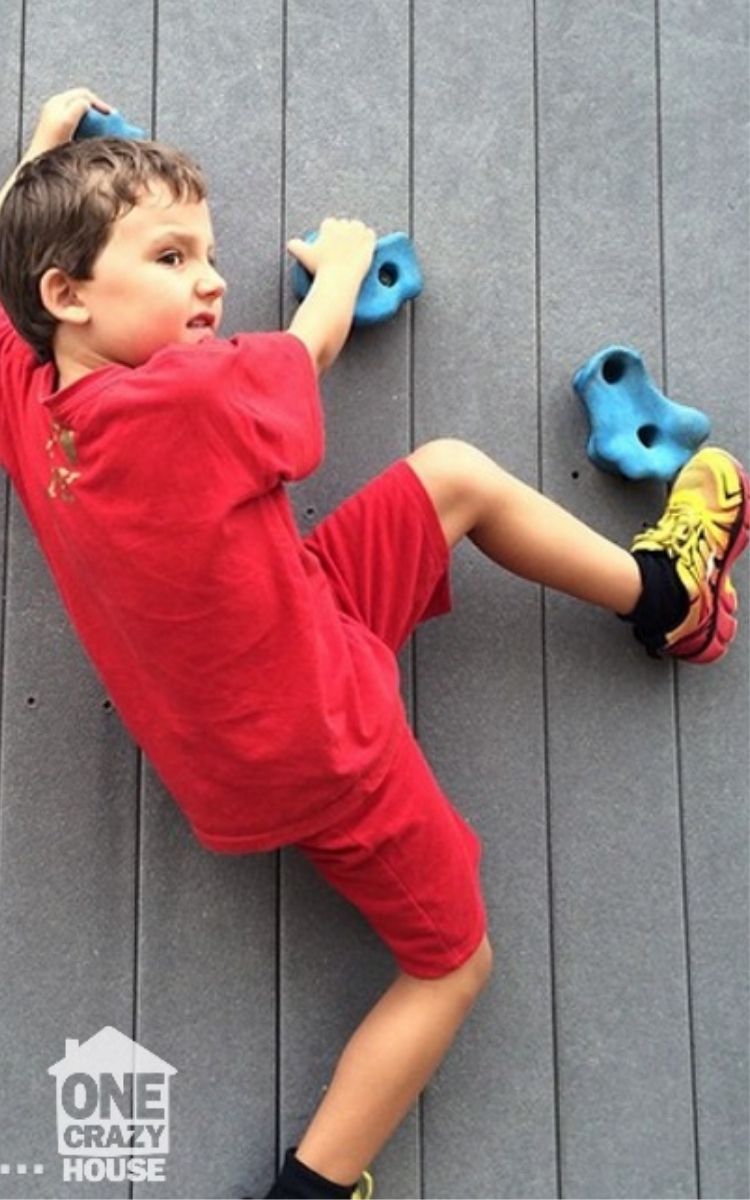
(170, 256)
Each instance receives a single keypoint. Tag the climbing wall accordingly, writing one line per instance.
(572, 174)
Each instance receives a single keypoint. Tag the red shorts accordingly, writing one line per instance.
(401, 854)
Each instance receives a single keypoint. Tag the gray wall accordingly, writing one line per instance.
(573, 174)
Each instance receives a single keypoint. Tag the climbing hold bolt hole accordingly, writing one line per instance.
(613, 368)
(107, 706)
(31, 701)
(310, 512)
(647, 435)
(387, 275)
(574, 474)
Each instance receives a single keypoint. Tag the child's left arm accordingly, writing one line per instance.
(57, 123)
(339, 260)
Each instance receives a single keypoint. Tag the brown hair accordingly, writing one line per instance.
(60, 212)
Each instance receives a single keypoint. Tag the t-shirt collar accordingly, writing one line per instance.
(48, 394)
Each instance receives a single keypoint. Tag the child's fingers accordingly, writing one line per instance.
(78, 101)
(83, 98)
(71, 114)
(302, 251)
(101, 104)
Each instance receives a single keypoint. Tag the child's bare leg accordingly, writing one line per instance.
(521, 529)
(395, 1050)
(385, 1066)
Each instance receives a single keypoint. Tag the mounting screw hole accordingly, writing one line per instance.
(647, 435)
(387, 275)
(614, 367)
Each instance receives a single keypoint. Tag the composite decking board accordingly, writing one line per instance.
(480, 709)
(704, 111)
(208, 923)
(348, 91)
(621, 1008)
(69, 774)
(572, 176)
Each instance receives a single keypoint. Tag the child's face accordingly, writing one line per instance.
(152, 279)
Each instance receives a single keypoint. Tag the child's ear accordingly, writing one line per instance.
(59, 296)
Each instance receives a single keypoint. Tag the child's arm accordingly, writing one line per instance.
(57, 123)
(339, 259)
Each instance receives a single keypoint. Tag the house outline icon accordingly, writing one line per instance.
(112, 1056)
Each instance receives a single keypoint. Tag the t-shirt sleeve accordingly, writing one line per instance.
(275, 402)
(11, 343)
(17, 361)
(258, 392)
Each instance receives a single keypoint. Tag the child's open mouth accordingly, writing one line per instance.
(204, 320)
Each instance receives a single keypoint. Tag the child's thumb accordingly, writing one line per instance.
(300, 249)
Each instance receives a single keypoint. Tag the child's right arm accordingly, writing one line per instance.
(339, 259)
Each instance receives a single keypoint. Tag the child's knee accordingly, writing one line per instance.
(479, 964)
(473, 974)
(447, 458)
(453, 473)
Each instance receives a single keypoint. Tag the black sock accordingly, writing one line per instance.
(299, 1182)
(663, 603)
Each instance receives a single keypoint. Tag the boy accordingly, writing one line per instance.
(257, 669)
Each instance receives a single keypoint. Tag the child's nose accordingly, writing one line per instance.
(212, 284)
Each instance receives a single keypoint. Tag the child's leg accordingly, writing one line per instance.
(674, 583)
(385, 1066)
(521, 529)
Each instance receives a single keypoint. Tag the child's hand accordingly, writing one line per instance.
(61, 115)
(340, 243)
(339, 259)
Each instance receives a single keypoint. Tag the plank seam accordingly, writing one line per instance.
(543, 599)
(679, 771)
(9, 494)
(412, 432)
(278, 874)
(140, 763)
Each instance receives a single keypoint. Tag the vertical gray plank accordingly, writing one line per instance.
(11, 13)
(624, 1049)
(489, 1116)
(704, 96)
(207, 933)
(66, 866)
(68, 768)
(347, 155)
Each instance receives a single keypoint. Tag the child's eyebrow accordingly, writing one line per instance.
(180, 235)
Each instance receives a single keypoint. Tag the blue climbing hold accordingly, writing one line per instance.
(394, 277)
(635, 430)
(99, 124)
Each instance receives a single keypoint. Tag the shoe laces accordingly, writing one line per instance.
(682, 533)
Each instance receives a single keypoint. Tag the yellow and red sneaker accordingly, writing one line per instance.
(705, 528)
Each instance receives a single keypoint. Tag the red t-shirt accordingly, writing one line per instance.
(157, 496)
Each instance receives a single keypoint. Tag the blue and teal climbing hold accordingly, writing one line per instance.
(635, 430)
(394, 277)
(113, 124)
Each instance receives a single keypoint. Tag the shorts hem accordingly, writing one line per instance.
(460, 957)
